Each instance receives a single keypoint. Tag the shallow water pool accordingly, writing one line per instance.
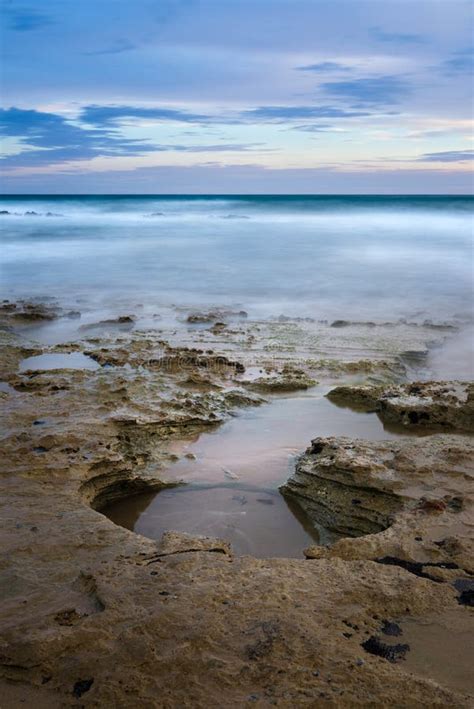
(233, 475)
(58, 360)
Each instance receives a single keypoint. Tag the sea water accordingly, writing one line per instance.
(356, 257)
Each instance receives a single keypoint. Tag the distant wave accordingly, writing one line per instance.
(5, 212)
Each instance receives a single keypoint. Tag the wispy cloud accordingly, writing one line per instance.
(381, 35)
(448, 156)
(297, 113)
(313, 127)
(109, 115)
(49, 139)
(50, 130)
(324, 67)
(119, 46)
(461, 62)
(25, 19)
(372, 90)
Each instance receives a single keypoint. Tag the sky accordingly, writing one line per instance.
(236, 96)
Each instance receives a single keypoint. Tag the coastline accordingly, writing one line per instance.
(93, 609)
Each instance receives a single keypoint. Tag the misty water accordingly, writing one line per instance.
(358, 258)
(322, 257)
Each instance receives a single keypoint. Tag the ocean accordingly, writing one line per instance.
(353, 257)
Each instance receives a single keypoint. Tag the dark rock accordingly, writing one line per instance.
(466, 598)
(82, 686)
(390, 628)
(466, 586)
(340, 323)
(417, 567)
(393, 653)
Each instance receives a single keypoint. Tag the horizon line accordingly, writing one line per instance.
(236, 194)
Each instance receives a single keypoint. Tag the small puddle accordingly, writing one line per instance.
(58, 360)
(233, 474)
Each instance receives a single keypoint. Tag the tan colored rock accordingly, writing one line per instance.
(288, 379)
(94, 615)
(412, 500)
(448, 405)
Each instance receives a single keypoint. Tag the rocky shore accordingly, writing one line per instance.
(94, 615)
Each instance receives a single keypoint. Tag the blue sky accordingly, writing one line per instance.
(237, 96)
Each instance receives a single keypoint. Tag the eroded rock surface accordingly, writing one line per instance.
(448, 405)
(24, 311)
(416, 497)
(286, 380)
(96, 616)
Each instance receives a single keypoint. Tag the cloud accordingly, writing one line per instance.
(461, 62)
(381, 35)
(323, 67)
(49, 139)
(25, 19)
(46, 138)
(314, 127)
(244, 179)
(53, 136)
(296, 113)
(372, 90)
(448, 156)
(107, 115)
(119, 46)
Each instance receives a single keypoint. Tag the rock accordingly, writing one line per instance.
(348, 323)
(447, 405)
(180, 359)
(357, 398)
(122, 320)
(288, 379)
(218, 328)
(280, 384)
(84, 599)
(211, 316)
(336, 471)
(27, 312)
(390, 628)
(392, 653)
(357, 487)
(81, 687)
(180, 543)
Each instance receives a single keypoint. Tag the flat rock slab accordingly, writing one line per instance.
(448, 405)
